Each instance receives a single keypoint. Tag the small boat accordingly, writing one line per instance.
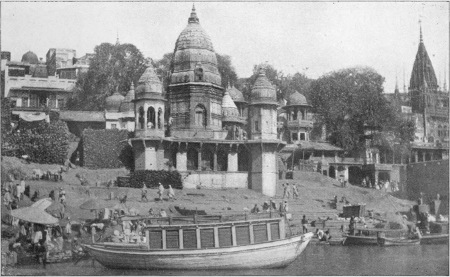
(434, 239)
(236, 244)
(359, 240)
(398, 241)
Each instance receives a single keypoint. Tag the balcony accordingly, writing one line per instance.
(299, 123)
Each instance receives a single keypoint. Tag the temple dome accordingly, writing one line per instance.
(128, 105)
(148, 83)
(263, 92)
(30, 57)
(113, 102)
(236, 95)
(194, 52)
(297, 99)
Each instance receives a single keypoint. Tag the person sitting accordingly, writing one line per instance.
(319, 234)
(162, 213)
(255, 209)
(265, 206)
(326, 236)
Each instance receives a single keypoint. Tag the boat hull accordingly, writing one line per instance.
(264, 255)
(434, 239)
(360, 240)
(398, 242)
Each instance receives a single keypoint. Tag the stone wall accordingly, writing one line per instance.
(214, 180)
(430, 177)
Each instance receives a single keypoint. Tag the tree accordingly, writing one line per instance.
(346, 101)
(226, 70)
(284, 84)
(113, 67)
(163, 68)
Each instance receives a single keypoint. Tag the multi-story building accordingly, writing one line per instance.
(59, 58)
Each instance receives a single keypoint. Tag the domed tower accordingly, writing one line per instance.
(299, 123)
(232, 120)
(149, 105)
(264, 144)
(263, 109)
(195, 91)
(239, 100)
(112, 109)
(30, 57)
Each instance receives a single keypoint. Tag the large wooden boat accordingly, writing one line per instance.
(237, 244)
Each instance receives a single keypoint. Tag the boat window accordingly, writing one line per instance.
(225, 238)
(155, 239)
(172, 239)
(207, 238)
(189, 239)
(260, 233)
(242, 235)
(274, 231)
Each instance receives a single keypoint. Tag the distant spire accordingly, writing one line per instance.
(396, 84)
(445, 79)
(193, 18)
(420, 25)
(117, 38)
(404, 82)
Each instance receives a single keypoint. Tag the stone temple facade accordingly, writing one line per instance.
(214, 138)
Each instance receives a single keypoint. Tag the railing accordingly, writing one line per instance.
(299, 123)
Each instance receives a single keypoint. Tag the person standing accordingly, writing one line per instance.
(160, 191)
(144, 193)
(286, 192)
(68, 228)
(171, 193)
(7, 199)
(304, 224)
(22, 188)
(295, 191)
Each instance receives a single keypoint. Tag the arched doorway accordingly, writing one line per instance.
(222, 160)
(200, 116)
(243, 159)
(332, 172)
(141, 118)
(207, 159)
(151, 118)
(355, 175)
(192, 159)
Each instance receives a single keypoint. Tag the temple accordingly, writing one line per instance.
(212, 136)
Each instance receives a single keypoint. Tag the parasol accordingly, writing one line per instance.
(92, 204)
(31, 214)
(42, 204)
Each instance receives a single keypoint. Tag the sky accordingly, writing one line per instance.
(313, 38)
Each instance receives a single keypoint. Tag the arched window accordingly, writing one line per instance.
(199, 74)
(200, 116)
(151, 118)
(141, 118)
(160, 118)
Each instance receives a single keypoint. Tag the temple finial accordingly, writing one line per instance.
(117, 37)
(420, 26)
(193, 18)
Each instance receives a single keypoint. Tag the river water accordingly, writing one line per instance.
(315, 260)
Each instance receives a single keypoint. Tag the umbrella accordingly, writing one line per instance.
(92, 204)
(34, 215)
(42, 204)
(55, 208)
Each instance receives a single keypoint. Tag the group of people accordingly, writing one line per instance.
(170, 193)
(323, 236)
(289, 190)
(271, 206)
(12, 194)
(385, 185)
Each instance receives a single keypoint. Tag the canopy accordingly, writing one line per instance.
(31, 214)
(42, 204)
(92, 204)
(34, 117)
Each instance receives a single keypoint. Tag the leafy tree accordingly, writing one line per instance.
(226, 70)
(348, 100)
(114, 66)
(284, 84)
(163, 68)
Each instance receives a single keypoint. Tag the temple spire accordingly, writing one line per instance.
(421, 36)
(193, 18)
(117, 38)
(396, 85)
(445, 80)
(404, 82)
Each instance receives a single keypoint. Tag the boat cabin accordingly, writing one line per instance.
(175, 233)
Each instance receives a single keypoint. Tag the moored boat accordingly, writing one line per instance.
(397, 241)
(255, 243)
(434, 239)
